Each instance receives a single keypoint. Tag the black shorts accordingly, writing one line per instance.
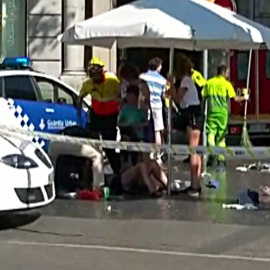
(191, 117)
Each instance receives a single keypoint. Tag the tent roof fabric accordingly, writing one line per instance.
(190, 24)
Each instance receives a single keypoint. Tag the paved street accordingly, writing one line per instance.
(141, 234)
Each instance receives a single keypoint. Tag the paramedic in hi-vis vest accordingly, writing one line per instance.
(104, 89)
(217, 92)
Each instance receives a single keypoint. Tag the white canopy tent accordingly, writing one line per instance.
(190, 24)
(183, 24)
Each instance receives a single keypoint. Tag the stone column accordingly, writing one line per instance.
(73, 56)
(109, 56)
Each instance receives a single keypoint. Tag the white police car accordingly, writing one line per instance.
(27, 175)
(38, 101)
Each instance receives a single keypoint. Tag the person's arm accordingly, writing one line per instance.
(176, 94)
(204, 96)
(232, 94)
(83, 93)
(242, 98)
(117, 85)
(145, 91)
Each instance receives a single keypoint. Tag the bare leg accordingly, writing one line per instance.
(146, 178)
(158, 137)
(156, 182)
(155, 170)
(195, 160)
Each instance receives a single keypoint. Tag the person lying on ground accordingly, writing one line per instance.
(146, 175)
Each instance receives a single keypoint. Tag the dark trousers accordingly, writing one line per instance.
(105, 126)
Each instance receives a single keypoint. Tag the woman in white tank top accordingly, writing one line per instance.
(191, 121)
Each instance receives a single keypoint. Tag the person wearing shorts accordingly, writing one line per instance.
(191, 120)
(157, 87)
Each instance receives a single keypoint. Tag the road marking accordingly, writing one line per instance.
(140, 250)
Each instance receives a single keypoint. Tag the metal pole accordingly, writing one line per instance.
(205, 74)
(248, 79)
(249, 68)
(257, 85)
(170, 123)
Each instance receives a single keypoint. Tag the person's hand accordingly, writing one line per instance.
(245, 94)
(246, 97)
(171, 79)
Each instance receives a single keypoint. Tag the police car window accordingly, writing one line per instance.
(63, 95)
(53, 92)
(46, 90)
(19, 87)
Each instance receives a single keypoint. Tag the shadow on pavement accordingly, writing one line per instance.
(17, 219)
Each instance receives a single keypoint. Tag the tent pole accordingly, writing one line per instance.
(170, 123)
(257, 85)
(249, 68)
(248, 82)
(204, 137)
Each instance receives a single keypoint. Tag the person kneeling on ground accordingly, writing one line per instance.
(137, 172)
(144, 176)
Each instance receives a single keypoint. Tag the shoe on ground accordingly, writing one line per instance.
(192, 192)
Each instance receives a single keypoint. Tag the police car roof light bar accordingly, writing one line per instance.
(16, 63)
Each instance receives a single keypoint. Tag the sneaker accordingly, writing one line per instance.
(192, 192)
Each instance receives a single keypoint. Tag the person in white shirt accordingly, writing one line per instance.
(191, 120)
(157, 87)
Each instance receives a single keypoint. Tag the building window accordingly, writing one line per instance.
(268, 65)
(242, 65)
(12, 35)
(262, 9)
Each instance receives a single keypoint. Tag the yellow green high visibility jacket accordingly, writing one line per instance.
(199, 81)
(218, 91)
(198, 78)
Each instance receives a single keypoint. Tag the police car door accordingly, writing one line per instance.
(23, 100)
(59, 106)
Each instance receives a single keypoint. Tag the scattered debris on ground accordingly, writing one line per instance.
(261, 167)
(213, 184)
(247, 200)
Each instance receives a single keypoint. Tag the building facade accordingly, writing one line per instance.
(31, 27)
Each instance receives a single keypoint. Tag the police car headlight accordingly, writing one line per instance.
(43, 158)
(19, 161)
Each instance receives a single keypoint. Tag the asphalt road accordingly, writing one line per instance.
(149, 234)
(141, 234)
